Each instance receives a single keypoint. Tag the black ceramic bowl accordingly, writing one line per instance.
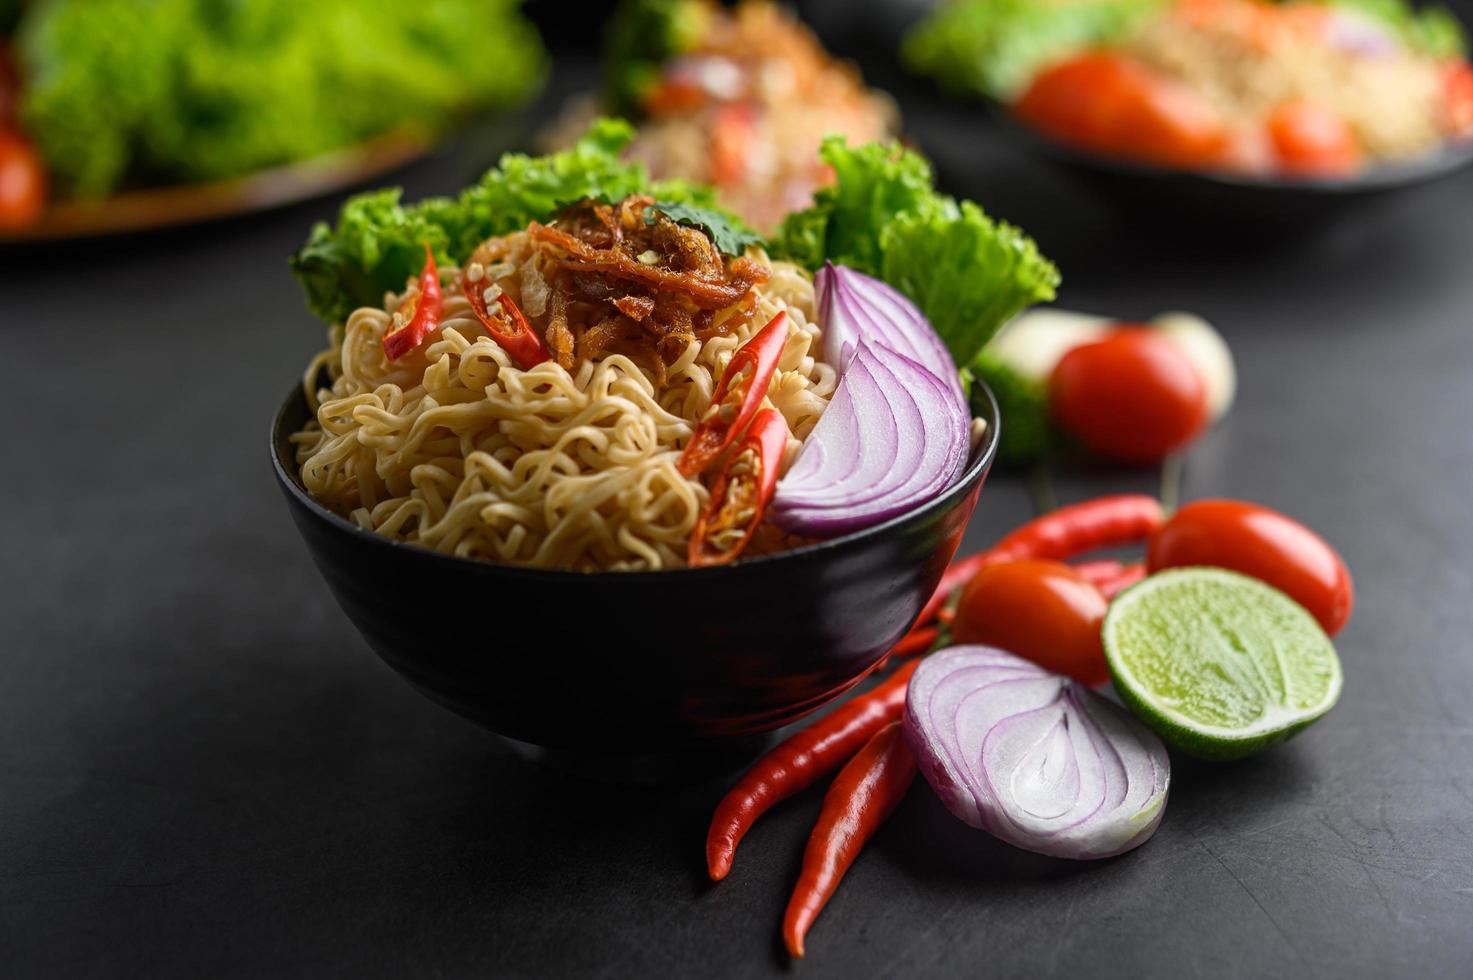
(635, 663)
(1193, 199)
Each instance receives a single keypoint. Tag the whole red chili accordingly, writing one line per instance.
(1102, 570)
(1059, 535)
(422, 313)
(862, 797)
(1080, 528)
(799, 762)
(740, 494)
(737, 397)
(508, 327)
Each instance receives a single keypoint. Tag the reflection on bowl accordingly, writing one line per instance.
(627, 663)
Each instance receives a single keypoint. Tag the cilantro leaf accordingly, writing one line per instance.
(729, 234)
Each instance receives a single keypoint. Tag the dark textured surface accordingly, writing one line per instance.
(204, 771)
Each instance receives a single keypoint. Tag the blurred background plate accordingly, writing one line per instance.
(163, 207)
(1189, 198)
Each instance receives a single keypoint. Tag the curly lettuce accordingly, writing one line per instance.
(378, 241)
(123, 91)
(992, 48)
(968, 273)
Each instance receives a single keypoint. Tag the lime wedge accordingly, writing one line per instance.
(1221, 665)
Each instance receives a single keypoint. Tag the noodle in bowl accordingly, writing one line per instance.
(456, 449)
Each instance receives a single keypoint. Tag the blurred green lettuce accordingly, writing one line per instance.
(992, 48)
(162, 91)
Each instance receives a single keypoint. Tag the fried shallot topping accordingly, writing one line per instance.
(625, 276)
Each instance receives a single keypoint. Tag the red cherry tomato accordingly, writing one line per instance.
(1314, 141)
(1458, 93)
(1130, 395)
(1263, 543)
(22, 182)
(1043, 611)
(1112, 105)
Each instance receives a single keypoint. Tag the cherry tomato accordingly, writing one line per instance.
(1109, 104)
(1130, 395)
(1458, 94)
(22, 182)
(1313, 141)
(1263, 543)
(1043, 611)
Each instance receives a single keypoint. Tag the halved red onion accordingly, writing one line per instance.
(892, 437)
(853, 307)
(1032, 757)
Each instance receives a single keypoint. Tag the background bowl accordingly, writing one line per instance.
(635, 663)
(1191, 199)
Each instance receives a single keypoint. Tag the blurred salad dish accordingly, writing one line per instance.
(1310, 90)
(108, 101)
(738, 98)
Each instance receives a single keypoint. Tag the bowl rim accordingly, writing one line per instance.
(981, 460)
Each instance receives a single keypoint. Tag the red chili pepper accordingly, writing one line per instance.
(863, 796)
(422, 312)
(740, 495)
(1128, 576)
(1058, 535)
(509, 327)
(1095, 572)
(737, 397)
(1083, 527)
(730, 151)
(799, 762)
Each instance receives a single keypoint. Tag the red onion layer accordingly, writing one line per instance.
(1034, 758)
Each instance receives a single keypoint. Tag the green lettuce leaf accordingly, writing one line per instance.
(377, 242)
(729, 235)
(992, 48)
(968, 273)
(167, 91)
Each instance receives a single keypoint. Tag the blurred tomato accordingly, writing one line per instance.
(1112, 105)
(22, 181)
(1043, 611)
(1130, 396)
(1264, 544)
(1458, 93)
(1313, 141)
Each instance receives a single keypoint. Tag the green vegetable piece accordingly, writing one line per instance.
(1220, 665)
(1027, 433)
(172, 91)
(967, 273)
(730, 236)
(641, 36)
(992, 48)
(377, 243)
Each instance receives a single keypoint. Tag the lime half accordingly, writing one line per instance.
(1221, 665)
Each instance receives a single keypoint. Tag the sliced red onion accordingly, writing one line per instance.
(892, 437)
(1033, 757)
(853, 307)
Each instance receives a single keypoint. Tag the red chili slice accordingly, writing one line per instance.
(508, 327)
(741, 493)
(422, 312)
(737, 397)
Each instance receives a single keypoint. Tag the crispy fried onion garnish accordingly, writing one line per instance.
(616, 278)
